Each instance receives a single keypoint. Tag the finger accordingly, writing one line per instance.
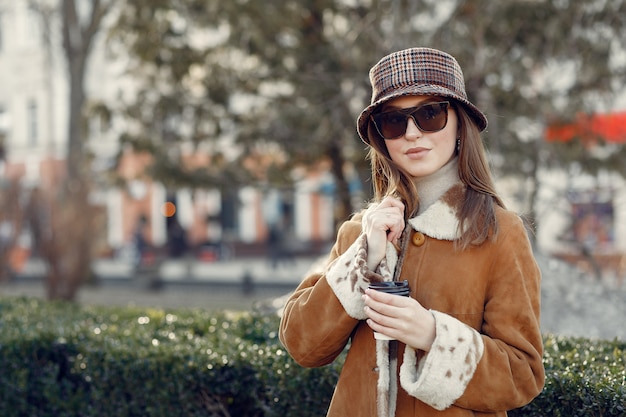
(394, 223)
(394, 232)
(391, 211)
(378, 328)
(391, 201)
(374, 315)
(384, 217)
(391, 224)
(390, 308)
(383, 324)
(384, 298)
(380, 322)
(376, 296)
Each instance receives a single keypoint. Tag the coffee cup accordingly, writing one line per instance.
(400, 288)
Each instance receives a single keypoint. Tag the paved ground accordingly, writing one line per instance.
(189, 271)
(234, 284)
(211, 298)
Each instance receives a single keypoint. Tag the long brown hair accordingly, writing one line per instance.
(477, 217)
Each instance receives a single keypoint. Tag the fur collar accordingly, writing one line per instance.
(441, 219)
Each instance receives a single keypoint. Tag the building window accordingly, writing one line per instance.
(593, 225)
(593, 220)
(32, 128)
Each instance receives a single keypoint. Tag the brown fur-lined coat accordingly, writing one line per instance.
(487, 355)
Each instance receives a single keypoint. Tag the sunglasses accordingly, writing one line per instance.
(430, 117)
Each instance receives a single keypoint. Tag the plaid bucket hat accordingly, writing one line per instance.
(417, 71)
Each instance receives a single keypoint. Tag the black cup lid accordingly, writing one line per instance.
(390, 284)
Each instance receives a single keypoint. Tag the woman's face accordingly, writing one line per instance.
(422, 153)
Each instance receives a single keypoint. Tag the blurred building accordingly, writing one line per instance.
(591, 220)
(33, 130)
(221, 223)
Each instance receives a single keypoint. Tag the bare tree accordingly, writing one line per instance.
(61, 220)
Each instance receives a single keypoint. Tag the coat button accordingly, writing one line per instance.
(418, 239)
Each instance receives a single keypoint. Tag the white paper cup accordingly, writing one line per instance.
(400, 288)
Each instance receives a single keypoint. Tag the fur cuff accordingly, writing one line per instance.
(349, 277)
(442, 374)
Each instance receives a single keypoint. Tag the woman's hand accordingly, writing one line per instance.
(382, 223)
(401, 318)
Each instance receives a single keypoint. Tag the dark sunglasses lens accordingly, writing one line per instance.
(391, 124)
(431, 117)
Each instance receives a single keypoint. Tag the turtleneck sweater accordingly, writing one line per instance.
(431, 187)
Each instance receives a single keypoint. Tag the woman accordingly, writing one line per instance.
(467, 340)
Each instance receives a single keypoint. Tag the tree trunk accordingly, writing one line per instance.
(344, 206)
(61, 222)
(10, 227)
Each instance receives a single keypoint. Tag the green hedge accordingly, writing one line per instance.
(59, 359)
(584, 378)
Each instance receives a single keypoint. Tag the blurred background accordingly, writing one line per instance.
(148, 146)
